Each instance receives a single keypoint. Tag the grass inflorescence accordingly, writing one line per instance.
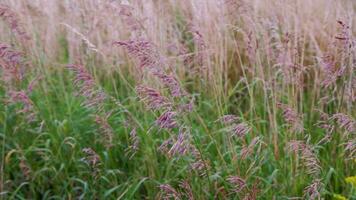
(189, 99)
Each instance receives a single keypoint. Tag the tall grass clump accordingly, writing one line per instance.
(188, 99)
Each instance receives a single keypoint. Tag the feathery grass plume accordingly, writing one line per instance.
(234, 127)
(33, 83)
(168, 192)
(326, 100)
(171, 82)
(236, 8)
(200, 55)
(188, 191)
(345, 35)
(310, 160)
(176, 90)
(330, 70)
(13, 71)
(199, 45)
(248, 150)
(152, 98)
(324, 123)
(89, 44)
(126, 13)
(11, 18)
(144, 52)
(186, 107)
(200, 165)
(181, 145)
(168, 120)
(287, 62)
(92, 159)
(350, 148)
(105, 129)
(237, 182)
(134, 144)
(251, 46)
(240, 130)
(21, 96)
(28, 108)
(11, 62)
(147, 56)
(333, 63)
(328, 66)
(228, 119)
(10, 56)
(25, 168)
(165, 146)
(284, 56)
(249, 61)
(94, 97)
(181, 52)
(313, 190)
(186, 57)
(345, 122)
(292, 117)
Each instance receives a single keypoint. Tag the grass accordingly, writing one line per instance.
(177, 100)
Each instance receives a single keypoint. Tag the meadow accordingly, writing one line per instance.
(178, 99)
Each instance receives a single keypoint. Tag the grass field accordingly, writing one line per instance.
(178, 99)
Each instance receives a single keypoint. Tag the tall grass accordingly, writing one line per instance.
(178, 99)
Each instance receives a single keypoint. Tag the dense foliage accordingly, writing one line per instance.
(177, 99)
